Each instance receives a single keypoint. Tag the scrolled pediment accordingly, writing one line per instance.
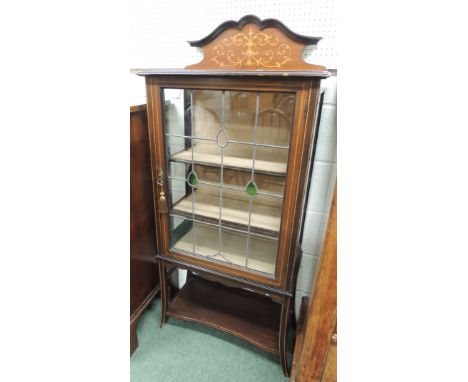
(253, 44)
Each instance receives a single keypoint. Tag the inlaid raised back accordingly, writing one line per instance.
(252, 44)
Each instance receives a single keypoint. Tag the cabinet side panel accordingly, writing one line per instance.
(303, 153)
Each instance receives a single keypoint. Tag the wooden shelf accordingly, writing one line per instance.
(248, 315)
(235, 162)
(262, 257)
(266, 210)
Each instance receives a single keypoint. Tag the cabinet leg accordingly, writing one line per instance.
(284, 322)
(133, 337)
(163, 281)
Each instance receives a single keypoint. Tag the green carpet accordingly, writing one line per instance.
(183, 351)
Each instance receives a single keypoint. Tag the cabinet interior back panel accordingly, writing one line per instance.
(159, 30)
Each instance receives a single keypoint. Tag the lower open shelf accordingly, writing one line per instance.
(245, 314)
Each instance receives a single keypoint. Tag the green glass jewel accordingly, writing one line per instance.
(251, 189)
(192, 179)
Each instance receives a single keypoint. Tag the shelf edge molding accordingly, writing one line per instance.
(231, 162)
(194, 267)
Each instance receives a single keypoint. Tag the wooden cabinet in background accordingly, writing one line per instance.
(144, 277)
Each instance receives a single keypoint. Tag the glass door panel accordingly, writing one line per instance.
(227, 154)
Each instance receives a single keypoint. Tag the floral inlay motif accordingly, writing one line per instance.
(256, 50)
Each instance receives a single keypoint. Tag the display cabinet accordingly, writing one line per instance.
(231, 142)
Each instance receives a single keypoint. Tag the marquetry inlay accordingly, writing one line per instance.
(252, 50)
(252, 46)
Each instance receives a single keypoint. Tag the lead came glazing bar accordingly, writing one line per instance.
(222, 146)
(252, 181)
(230, 141)
(221, 180)
(175, 214)
(237, 168)
(221, 131)
(226, 186)
(191, 108)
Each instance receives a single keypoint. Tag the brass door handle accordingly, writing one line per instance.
(160, 178)
(162, 203)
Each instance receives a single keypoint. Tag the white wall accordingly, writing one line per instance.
(320, 194)
(159, 32)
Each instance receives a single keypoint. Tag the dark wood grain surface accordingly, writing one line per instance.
(320, 323)
(262, 24)
(144, 280)
(234, 73)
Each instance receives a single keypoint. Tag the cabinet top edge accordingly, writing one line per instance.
(233, 73)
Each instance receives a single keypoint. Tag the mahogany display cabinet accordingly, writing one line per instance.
(231, 144)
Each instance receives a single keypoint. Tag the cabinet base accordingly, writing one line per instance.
(250, 316)
(245, 314)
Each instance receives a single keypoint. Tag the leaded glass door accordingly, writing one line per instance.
(227, 154)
